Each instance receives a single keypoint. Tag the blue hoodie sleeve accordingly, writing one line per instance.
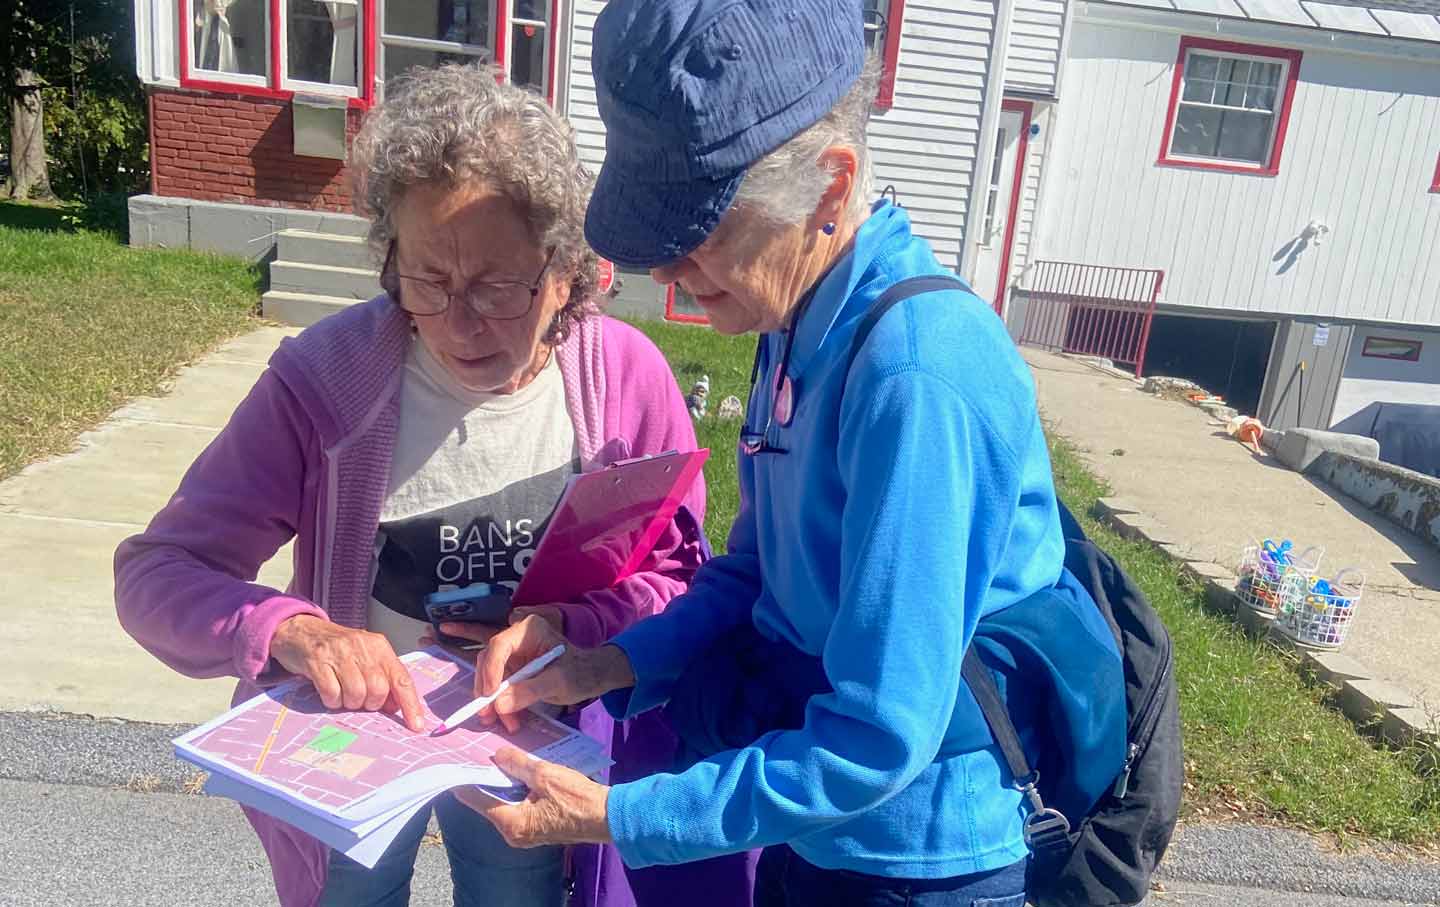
(930, 490)
(720, 596)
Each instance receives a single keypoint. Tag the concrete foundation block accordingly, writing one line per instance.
(246, 231)
(1201, 571)
(1404, 726)
(1220, 595)
(1220, 411)
(158, 223)
(1335, 668)
(1255, 623)
(1366, 701)
(1299, 447)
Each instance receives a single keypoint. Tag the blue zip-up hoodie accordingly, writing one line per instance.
(916, 496)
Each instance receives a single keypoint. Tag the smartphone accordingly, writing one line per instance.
(481, 603)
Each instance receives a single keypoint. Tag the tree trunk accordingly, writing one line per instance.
(29, 175)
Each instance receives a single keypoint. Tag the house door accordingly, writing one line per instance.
(1004, 177)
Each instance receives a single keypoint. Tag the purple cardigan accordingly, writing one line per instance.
(307, 456)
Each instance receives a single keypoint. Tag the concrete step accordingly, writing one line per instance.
(311, 248)
(300, 309)
(324, 280)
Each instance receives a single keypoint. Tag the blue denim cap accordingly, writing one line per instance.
(692, 92)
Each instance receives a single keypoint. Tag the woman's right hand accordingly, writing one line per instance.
(576, 676)
(352, 669)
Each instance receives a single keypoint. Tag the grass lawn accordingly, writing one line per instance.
(87, 323)
(1261, 743)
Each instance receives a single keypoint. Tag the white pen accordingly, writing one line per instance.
(470, 708)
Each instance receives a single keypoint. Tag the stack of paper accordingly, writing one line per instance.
(353, 779)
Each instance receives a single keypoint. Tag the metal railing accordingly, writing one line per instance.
(1093, 310)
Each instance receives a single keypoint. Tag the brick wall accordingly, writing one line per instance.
(234, 148)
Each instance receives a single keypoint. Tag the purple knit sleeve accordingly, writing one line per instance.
(184, 588)
(645, 408)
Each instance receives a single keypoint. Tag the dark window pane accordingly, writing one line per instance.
(1200, 66)
(1245, 136)
(1200, 90)
(399, 59)
(527, 49)
(539, 10)
(462, 21)
(1197, 131)
(322, 42)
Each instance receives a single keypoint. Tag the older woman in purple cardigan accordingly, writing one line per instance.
(420, 441)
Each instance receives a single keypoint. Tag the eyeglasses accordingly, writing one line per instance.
(493, 300)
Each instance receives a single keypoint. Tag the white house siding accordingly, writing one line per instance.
(580, 104)
(1368, 379)
(1036, 29)
(924, 145)
(1359, 157)
(1044, 116)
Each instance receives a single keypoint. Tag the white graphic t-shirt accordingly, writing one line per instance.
(473, 483)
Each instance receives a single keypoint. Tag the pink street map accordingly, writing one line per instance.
(336, 758)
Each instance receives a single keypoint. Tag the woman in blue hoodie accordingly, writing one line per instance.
(889, 501)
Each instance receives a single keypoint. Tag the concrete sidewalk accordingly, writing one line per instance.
(1171, 462)
(60, 521)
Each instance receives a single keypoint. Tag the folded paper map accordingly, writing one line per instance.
(353, 779)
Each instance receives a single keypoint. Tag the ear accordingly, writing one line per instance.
(843, 165)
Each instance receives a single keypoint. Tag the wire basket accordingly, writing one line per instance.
(1273, 578)
(1322, 616)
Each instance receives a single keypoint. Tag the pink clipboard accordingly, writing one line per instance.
(606, 525)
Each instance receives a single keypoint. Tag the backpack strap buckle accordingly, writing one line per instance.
(1045, 829)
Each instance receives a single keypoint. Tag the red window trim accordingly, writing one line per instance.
(1292, 77)
(1415, 357)
(502, 43)
(681, 317)
(1435, 183)
(272, 91)
(890, 58)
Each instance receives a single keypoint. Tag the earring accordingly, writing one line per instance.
(828, 229)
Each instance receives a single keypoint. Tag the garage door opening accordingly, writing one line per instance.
(1223, 355)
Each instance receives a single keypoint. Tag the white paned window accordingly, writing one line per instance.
(421, 33)
(1228, 108)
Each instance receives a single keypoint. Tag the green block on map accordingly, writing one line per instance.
(331, 739)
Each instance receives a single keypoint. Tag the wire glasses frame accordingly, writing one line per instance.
(492, 300)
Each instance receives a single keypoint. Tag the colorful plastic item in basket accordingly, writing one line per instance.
(1324, 618)
(1274, 577)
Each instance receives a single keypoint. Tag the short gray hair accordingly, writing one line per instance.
(787, 183)
(458, 125)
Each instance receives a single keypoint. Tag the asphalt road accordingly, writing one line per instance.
(96, 812)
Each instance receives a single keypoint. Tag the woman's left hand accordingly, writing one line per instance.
(564, 806)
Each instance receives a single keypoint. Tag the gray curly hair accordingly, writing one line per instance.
(460, 124)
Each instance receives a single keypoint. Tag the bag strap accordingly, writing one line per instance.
(897, 293)
(1046, 830)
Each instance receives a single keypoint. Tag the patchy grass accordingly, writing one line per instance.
(692, 351)
(87, 323)
(1260, 740)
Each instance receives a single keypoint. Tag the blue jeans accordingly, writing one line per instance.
(484, 869)
(783, 879)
